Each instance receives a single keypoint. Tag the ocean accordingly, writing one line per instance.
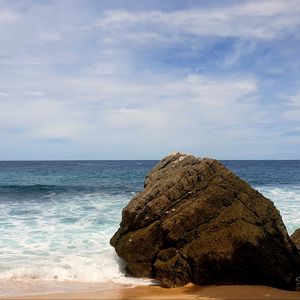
(57, 216)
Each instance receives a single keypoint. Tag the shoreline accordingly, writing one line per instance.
(190, 291)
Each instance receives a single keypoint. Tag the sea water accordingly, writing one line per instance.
(57, 216)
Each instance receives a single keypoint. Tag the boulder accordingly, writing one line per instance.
(195, 221)
(296, 238)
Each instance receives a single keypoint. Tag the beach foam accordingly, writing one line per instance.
(57, 218)
(62, 239)
(287, 200)
(68, 239)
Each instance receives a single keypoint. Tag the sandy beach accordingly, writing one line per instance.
(189, 291)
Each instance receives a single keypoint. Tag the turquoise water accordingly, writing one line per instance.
(57, 217)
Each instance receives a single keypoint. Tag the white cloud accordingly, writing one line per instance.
(194, 101)
(97, 105)
(8, 16)
(34, 94)
(42, 118)
(143, 119)
(292, 115)
(262, 19)
(147, 76)
(295, 100)
(240, 49)
(292, 111)
(51, 36)
(61, 130)
(105, 69)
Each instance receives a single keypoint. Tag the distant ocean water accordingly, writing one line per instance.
(57, 216)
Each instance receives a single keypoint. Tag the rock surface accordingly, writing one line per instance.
(195, 221)
(296, 238)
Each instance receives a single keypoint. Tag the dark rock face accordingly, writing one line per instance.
(296, 238)
(195, 221)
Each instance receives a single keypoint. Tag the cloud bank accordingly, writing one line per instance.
(100, 80)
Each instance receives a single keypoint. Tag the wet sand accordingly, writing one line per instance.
(187, 292)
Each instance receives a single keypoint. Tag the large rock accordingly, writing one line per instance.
(195, 221)
(296, 238)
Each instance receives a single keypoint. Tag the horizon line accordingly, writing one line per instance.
(49, 160)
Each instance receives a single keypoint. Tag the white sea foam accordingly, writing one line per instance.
(107, 267)
(287, 200)
(65, 240)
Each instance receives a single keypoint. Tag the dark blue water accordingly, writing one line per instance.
(266, 172)
(57, 216)
(72, 176)
(25, 179)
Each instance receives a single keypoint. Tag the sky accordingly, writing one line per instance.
(97, 79)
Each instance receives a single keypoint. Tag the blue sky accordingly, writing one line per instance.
(139, 79)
